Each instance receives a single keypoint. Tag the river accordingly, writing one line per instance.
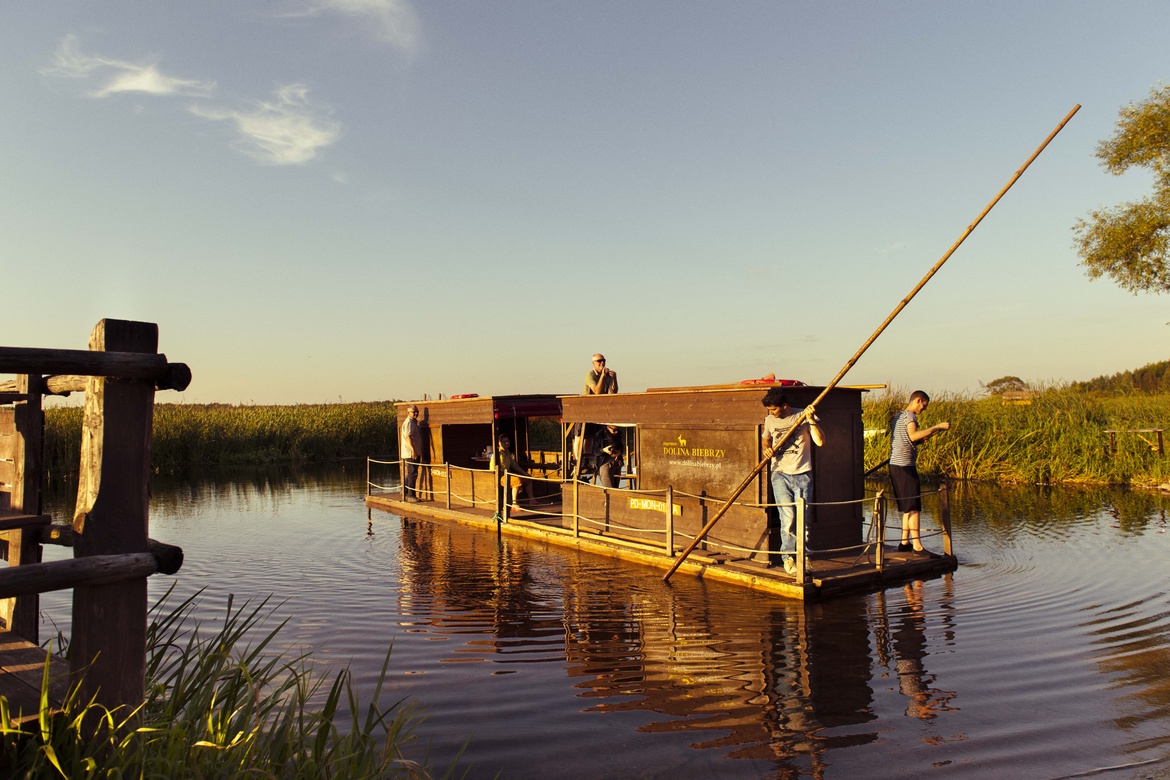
(1047, 654)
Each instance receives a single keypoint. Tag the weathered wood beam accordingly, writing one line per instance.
(75, 572)
(86, 363)
(112, 518)
(169, 556)
(178, 378)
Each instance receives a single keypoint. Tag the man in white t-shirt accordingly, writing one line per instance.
(791, 467)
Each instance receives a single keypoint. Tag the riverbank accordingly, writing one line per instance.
(1056, 436)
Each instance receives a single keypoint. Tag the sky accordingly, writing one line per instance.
(357, 200)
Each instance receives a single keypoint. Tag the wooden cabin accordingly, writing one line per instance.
(686, 452)
(701, 442)
(459, 434)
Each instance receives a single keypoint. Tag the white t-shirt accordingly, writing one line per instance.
(796, 457)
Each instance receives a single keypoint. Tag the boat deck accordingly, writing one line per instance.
(856, 570)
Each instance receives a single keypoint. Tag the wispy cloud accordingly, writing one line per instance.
(104, 76)
(288, 130)
(390, 21)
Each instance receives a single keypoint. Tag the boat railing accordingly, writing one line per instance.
(664, 536)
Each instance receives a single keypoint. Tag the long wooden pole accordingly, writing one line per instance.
(857, 356)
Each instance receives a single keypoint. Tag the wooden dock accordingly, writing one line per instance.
(108, 532)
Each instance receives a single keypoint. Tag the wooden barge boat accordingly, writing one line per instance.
(686, 450)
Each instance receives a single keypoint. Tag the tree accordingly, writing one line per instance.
(1005, 384)
(1130, 243)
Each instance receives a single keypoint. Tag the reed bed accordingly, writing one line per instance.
(1057, 438)
(217, 435)
(220, 705)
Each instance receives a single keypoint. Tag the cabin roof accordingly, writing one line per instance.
(484, 408)
(716, 406)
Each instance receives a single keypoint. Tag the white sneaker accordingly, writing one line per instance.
(790, 566)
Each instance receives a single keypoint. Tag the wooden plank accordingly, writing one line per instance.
(112, 517)
(11, 520)
(75, 573)
(22, 614)
(22, 666)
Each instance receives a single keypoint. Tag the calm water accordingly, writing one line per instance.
(1046, 655)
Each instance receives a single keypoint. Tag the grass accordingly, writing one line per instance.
(219, 706)
(218, 435)
(1056, 439)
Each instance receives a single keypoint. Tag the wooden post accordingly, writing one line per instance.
(449, 484)
(670, 520)
(1161, 451)
(944, 502)
(369, 490)
(800, 560)
(112, 517)
(24, 545)
(879, 520)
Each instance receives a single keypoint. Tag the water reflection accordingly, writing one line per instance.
(755, 678)
(1047, 653)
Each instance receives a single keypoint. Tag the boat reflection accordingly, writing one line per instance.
(752, 676)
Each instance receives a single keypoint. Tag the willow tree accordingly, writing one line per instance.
(1130, 243)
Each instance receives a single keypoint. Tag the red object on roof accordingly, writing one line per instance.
(770, 379)
(465, 395)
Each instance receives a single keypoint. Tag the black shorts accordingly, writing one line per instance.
(907, 488)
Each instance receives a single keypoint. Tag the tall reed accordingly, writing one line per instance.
(1057, 438)
(213, 435)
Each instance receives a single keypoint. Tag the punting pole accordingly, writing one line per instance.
(845, 369)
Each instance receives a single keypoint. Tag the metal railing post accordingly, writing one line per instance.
(879, 521)
(576, 507)
(945, 518)
(670, 520)
(800, 561)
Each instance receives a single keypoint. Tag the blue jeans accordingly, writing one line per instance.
(786, 488)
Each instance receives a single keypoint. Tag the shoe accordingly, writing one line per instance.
(928, 553)
(790, 566)
(905, 547)
(410, 500)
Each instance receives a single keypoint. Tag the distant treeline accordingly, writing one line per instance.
(215, 435)
(1154, 378)
(1058, 437)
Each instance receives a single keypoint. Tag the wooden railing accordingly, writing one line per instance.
(109, 532)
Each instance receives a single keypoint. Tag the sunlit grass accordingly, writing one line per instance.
(213, 435)
(1058, 438)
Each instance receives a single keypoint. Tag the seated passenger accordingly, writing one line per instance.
(511, 467)
(607, 454)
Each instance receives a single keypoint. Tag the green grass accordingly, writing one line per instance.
(1057, 439)
(220, 705)
(217, 435)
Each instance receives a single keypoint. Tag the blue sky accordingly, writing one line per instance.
(370, 199)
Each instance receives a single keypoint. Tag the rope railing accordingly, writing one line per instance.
(674, 538)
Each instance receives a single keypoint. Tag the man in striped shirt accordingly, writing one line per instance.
(904, 441)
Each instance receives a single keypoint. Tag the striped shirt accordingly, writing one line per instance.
(903, 452)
